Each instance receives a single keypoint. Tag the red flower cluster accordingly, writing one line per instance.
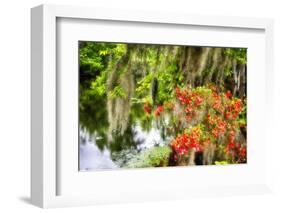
(186, 141)
(190, 100)
(183, 96)
(217, 124)
(228, 94)
(158, 111)
(216, 102)
(147, 108)
(215, 115)
(198, 100)
(243, 152)
(220, 124)
(231, 137)
(236, 151)
(233, 109)
(234, 148)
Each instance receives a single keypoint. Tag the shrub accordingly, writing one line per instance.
(153, 157)
(209, 116)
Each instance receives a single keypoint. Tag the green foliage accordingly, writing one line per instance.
(240, 54)
(228, 71)
(94, 60)
(221, 162)
(91, 55)
(154, 157)
(168, 78)
(144, 85)
(98, 87)
(94, 56)
(203, 91)
(118, 91)
(124, 156)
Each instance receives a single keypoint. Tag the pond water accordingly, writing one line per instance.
(91, 157)
(94, 158)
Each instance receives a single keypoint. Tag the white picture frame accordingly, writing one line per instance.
(46, 169)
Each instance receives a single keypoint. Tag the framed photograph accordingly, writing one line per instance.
(130, 106)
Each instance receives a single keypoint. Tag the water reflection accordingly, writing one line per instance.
(149, 138)
(91, 157)
(94, 158)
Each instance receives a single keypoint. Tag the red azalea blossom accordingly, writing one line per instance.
(228, 94)
(198, 101)
(220, 124)
(243, 152)
(158, 111)
(186, 141)
(227, 115)
(231, 137)
(147, 108)
(233, 109)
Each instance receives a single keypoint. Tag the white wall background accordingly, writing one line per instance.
(15, 104)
